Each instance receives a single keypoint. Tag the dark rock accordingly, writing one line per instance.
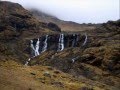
(70, 40)
(50, 68)
(58, 84)
(87, 57)
(56, 72)
(47, 74)
(53, 27)
(32, 73)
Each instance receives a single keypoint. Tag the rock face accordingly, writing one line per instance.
(99, 60)
(56, 42)
(16, 21)
(95, 55)
(17, 25)
(53, 27)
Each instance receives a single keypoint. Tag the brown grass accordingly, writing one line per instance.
(14, 76)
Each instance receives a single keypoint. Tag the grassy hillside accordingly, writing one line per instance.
(96, 65)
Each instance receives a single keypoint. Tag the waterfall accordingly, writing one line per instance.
(32, 46)
(37, 48)
(74, 59)
(27, 61)
(45, 44)
(85, 40)
(61, 42)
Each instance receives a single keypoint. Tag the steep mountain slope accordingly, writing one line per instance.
(15, 76)
(93, 65)
(66, 26)
(98, 60)
(17, 25)
(17, 21)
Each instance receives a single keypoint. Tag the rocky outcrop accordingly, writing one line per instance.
(98, 60)
(15, 21)
(53, 27)
(17, 25)
(94, 56)
(53, 41)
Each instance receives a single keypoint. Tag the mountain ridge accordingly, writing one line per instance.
(93, 65)
(67, 26)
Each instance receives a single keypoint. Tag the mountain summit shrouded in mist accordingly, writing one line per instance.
(54, 54)
(80, 11)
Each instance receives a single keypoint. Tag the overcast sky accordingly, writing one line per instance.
(81, 11)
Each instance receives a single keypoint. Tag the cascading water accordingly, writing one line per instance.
(74, 59)
(27, 62)
(61, 42)
(37, 48)
(86, 37)
(32, 46)
(45, 44)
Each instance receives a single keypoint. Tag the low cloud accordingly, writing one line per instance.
(80, 11)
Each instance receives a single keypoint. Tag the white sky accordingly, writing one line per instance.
(81, 11)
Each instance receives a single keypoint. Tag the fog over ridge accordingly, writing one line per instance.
(80, 11)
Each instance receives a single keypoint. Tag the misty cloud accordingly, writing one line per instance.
(81, 11)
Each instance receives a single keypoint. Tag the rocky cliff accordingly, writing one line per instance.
(53, 40)
(37, 54)
(15, 21)
(98, 60)
(17, 26)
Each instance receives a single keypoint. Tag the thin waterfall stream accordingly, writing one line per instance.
(85, 41)
(34, 49)
(60, 43)
(45, 44)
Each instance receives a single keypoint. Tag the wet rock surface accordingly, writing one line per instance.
(69, 40)
(15, 22)
(98, 60)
